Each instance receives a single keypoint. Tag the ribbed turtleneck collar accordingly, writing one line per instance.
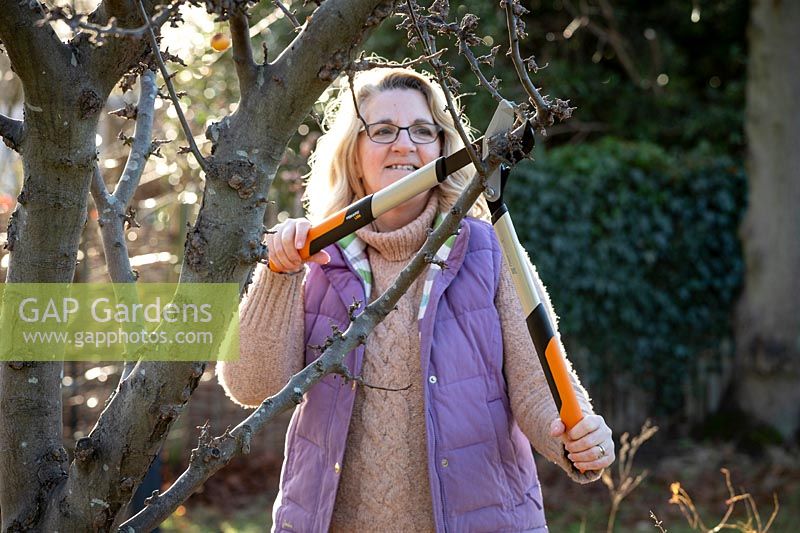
(402, 243)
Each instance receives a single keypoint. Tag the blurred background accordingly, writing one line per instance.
(631, 210)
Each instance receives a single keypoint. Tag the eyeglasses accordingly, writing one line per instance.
(420, 133)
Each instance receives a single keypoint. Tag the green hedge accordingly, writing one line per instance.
(640, 253)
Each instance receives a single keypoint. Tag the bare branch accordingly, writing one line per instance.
(174, 97)
(212, 454)
(111, 208)
(11, 130)
(412, 14)
(350, 81)
(366, 63)
(112, 231)
(543, 111)
(490, 86)
(142, 135)
(242, 51)
(451, 107)
(289, 14)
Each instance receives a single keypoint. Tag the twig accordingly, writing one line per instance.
(367, 63)
(412, 14)
(774, 514)
(351, 84)
(343, 371)
(289, 14)
(174, 97)
(684, 502)
(476, 69)
(11, 131)
(363, 383)
(242, 51)
(657, 522)
(543, 111)
(627, 483)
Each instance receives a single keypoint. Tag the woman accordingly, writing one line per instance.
(448, 448)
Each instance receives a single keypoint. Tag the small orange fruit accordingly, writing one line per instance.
(220, 42)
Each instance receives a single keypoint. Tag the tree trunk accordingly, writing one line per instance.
(43, 237)
(768, 329)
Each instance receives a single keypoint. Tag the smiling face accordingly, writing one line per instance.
(381, 165)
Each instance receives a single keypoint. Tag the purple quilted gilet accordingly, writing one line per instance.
(480, 465)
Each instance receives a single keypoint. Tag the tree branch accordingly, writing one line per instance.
(112, 209)
(11, 130)
(543, 112)
(466, 51)
(119, 51)
(214, 453)
(289, 14)
(247, 146)
(242, 51)
(142, 136)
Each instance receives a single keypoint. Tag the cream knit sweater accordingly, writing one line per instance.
(384, 477)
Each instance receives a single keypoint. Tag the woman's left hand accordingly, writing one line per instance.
(589, 443)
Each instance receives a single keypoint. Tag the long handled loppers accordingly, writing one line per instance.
(540, 328)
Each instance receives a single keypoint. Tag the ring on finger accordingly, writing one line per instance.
(602, 450)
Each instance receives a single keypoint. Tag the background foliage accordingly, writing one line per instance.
(639, 249)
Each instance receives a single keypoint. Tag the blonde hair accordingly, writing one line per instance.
(333, 182)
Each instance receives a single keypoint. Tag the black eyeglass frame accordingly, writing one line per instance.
(365, 128)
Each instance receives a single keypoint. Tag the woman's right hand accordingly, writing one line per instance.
(283, 242)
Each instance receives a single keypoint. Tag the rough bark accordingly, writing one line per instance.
(58, 153)
(768, 330)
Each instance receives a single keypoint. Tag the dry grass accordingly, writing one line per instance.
(622, 481)
(751, 524)
(626, 481)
